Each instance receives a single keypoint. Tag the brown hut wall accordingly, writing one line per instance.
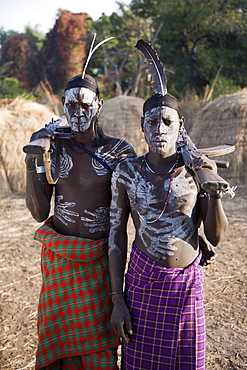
(224, 121)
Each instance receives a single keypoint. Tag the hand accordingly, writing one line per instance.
(204, 162)
(120, 320)
(30, 160)
(208, 253)
(42, 133)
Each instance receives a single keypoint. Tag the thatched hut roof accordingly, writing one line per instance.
(224, 121)
(121, 117)
(18, 120)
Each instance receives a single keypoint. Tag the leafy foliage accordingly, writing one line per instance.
(118, 64)
(10, 88)
(201, 43)
(197, 37)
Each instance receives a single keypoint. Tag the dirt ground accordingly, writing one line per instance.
(20, 279)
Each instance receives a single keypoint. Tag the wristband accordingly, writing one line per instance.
(40, 169)
(216, 196)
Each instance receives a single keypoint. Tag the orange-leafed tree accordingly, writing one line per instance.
(65, 48)
(23, 57)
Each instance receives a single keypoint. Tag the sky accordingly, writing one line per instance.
(17, 14)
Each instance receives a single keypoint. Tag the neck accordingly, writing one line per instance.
(161, 158)
(160, 164)
(87, 137)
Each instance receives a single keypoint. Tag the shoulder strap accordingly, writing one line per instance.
(93, 155)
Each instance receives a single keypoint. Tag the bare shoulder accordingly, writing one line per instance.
(121, 146)
(129, 166)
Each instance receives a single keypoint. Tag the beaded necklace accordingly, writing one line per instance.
(173, 171)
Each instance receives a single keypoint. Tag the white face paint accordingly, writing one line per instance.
(160, 127)
(80, 107)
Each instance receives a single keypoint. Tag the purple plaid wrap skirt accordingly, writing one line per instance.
(167, 315)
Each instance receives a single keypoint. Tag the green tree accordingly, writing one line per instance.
(10, 88)
(118, 64)
(36, 37)
(197, 38)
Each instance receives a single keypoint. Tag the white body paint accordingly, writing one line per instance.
(111, 157)
(64, 214)
(158, 240)
(65, 164)
(98, 220)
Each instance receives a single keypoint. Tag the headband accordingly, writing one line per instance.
(88, 82)
(157, 100)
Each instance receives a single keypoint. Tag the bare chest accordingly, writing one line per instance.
(149, 195)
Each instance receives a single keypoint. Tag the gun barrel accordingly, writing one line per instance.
(222, 164)
(210, 180)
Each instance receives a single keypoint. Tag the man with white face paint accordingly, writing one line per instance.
(75, 305)
(160, 316)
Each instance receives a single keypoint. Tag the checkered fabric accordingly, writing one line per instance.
(75, 301)
(167, 315)
(105, 360)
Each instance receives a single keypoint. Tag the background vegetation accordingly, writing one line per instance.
(201, 43)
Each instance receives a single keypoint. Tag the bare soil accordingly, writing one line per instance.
(20, 281)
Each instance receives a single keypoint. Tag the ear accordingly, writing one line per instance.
(142, 122)
(100, 104)
(182, 120)
(63, 99)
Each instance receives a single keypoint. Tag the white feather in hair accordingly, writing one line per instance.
(91, 51)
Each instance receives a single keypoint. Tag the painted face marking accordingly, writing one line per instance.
(80, 107)
(62, 213)
(97, 221)
(66, 164)
(160, 127)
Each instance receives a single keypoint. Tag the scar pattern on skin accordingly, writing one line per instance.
(112, 157)
(158, 241)
(62, 213)
(98, 220)
(65, 164)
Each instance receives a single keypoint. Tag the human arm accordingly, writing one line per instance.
(38, 191)
(213, 216)
(214, 219)
(208, 253)
(118, 241)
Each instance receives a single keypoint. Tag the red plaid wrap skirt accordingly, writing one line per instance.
(75, 301)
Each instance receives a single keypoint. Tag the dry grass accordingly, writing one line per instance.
(224, 121)
(19, 118)
(225, 288)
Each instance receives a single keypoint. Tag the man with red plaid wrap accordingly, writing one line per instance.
(75, 302)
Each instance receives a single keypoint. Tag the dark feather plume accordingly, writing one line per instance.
(156, 68)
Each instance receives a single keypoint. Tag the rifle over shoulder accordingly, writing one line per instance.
(208, 179)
